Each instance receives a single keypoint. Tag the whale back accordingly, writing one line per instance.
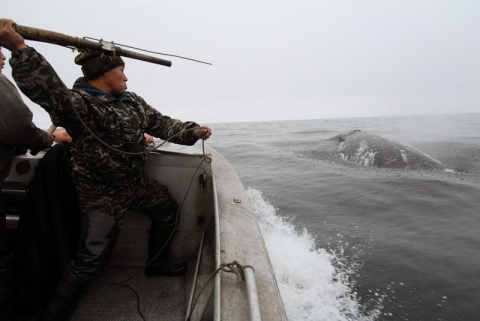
(368, 149)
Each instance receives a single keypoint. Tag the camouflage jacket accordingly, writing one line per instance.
(105, 179)
(16, 127)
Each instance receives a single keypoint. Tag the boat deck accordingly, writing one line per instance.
(160, 298)
(114, 296)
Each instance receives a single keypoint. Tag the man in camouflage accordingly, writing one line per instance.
(108, 180)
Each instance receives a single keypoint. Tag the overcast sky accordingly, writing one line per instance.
(279, 60)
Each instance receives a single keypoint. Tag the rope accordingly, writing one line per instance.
(137, 297)
(206, 159)
(233, 267)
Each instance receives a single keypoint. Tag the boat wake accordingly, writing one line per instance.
(314, 283)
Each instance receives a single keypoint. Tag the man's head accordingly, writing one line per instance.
(103, 72)
(95, 64)
(2, 60)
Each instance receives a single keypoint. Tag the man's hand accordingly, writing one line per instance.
(203, 132)
(9, 38)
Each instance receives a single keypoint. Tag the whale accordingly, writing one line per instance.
(368, 149)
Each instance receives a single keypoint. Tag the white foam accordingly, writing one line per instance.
(313, 282)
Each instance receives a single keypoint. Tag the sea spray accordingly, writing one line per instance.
(314, 283)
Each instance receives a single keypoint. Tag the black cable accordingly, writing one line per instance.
(206, 159)
(137, 296)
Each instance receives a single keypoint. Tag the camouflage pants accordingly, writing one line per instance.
(102, 230)
(139, 193)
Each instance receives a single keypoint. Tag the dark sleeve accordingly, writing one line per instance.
(17, 127)
(37, 79)
(167, 128)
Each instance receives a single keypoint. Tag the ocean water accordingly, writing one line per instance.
(355, 242)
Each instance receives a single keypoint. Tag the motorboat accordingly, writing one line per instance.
(229, 275)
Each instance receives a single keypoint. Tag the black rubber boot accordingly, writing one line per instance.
(161, 234)
(68, 293)
(158, 253)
